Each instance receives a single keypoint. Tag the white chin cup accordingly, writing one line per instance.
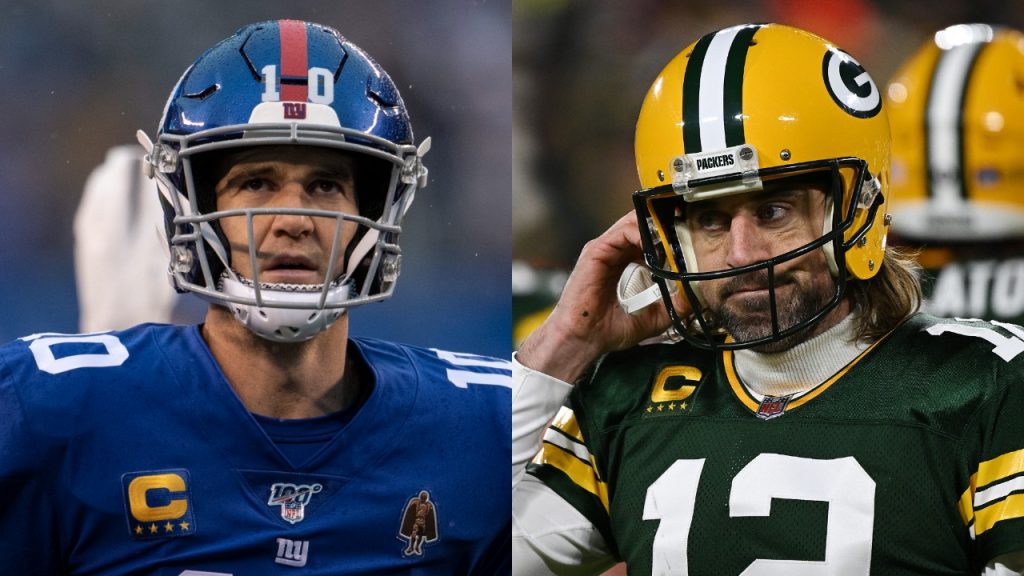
(285, 325)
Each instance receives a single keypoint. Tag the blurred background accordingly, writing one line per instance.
(581, 69)
(81, 77)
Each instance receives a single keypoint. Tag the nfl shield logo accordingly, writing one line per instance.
(292, 498)
(772, 407)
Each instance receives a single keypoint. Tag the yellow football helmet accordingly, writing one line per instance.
(744, 106)
(957, 112)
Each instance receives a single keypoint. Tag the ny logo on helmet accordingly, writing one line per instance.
(292, 499)
(294, 110)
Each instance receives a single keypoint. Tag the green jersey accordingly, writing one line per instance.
(910, 460)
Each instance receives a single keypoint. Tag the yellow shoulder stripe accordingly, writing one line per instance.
(1010, 507)
(580, 472)
(998, 468)
(565, 421)
(966, 505)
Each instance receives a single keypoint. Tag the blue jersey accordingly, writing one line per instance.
(129, 453)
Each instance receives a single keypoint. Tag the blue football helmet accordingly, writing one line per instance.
(285, 83)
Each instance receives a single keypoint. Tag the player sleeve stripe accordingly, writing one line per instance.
(998, 469)
(556, 437)
(582, 474)
(1005, 509)
(565, 421)
(1001, 479)
(998, 491)
(587, 503)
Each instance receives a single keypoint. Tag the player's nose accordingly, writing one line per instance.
(747, 242)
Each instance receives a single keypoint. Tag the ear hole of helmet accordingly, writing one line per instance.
(207, 170)
(666, 213)
(372, 179)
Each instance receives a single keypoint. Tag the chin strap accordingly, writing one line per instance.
(638, 290)
(286, 325)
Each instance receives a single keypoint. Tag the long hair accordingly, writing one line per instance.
(889, 297)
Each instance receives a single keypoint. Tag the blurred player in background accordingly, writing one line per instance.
(121, 252)
(266, 438)
(957, 113)
(788, 410)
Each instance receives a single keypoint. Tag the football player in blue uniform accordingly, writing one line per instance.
(785, 409)
(265, 440)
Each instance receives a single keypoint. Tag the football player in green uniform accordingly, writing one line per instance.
(957, 113)
(787, 410)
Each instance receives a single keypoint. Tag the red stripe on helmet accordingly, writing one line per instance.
(294, 62)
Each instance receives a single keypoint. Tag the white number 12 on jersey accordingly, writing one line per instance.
(842, 483)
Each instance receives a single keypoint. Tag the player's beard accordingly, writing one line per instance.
(749, 318)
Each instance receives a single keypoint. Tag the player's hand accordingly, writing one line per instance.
(588, 322)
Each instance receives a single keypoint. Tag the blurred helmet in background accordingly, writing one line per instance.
(957, 113)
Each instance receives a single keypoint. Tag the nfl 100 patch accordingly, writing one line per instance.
(293, 499)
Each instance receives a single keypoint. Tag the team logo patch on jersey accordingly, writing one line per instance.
(419, 524)
(772, 407)
(292, 498)
(292, 552)
(158, 503)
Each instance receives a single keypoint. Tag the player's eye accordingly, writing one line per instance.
(327, 186)
(711, 221)
(254, 184)
(772, 213)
